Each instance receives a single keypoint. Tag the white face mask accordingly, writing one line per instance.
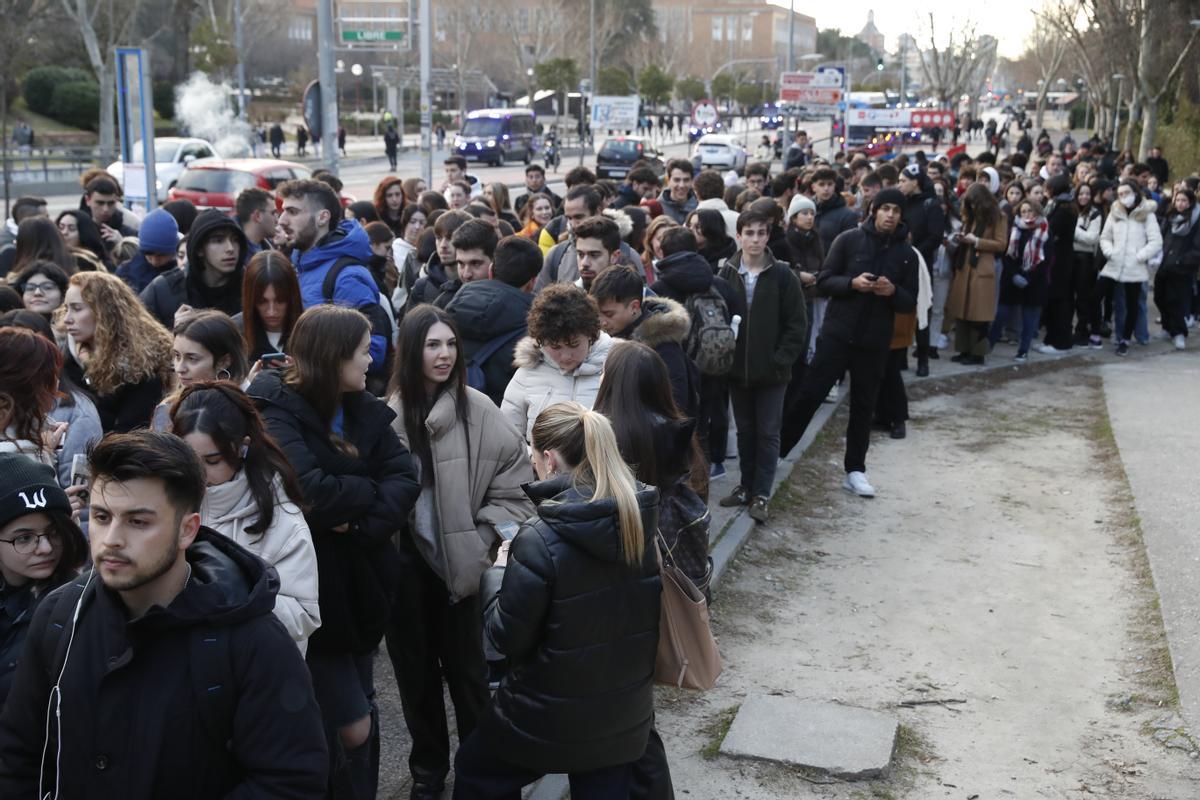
(1128, 200)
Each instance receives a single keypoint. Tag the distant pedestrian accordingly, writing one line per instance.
(301, 140)
(276, 137)
(391, 145)
(341, 139)
(440, 132)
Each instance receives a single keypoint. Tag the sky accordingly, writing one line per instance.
(1010, 21)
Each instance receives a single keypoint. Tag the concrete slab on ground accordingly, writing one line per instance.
(1152, 405)
(839, 740)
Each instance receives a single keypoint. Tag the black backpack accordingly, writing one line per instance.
(381, 321)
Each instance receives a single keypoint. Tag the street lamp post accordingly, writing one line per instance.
(1118, 77)
(328, 83)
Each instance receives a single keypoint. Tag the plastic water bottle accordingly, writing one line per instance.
(735, 323)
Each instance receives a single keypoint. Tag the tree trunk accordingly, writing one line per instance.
(1149, 128)
(108, 116)
(1040, 109)
(1135, 113)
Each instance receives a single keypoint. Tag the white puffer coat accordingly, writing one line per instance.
(287, 546)
(539, 383)
(1129, 240)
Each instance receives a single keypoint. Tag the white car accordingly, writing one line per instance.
(172, 155)
(720, 150)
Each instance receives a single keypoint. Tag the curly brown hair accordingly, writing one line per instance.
(129, 345)
(562, 311)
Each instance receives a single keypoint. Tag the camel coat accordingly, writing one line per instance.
(972, 295)
(478, 474)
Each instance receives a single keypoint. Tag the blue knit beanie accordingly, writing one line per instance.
(159, 233)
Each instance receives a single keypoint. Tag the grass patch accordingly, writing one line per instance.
(714, 732)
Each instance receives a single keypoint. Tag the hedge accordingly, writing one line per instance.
(39, 84)
(77, 104)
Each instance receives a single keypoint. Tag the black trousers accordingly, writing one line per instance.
(1105, 288)
(1057, 318)
(651, 778)
(833, 359)
(791, 433)
(713, 426)
(1171, 294)
(892, 405)
(481, 773)
(429, 640)
(1085, 284)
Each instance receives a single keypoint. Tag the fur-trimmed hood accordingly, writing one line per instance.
(663, 320)
(1144, 209)
(529, 355)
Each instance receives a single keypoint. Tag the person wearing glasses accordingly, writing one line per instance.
(41, 548)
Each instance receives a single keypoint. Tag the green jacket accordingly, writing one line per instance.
(774, 332)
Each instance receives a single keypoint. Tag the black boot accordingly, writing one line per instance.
(922, 367)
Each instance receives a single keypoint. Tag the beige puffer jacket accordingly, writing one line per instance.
(478, 474)
(1129, 240)
(287, 546)
(539, 383)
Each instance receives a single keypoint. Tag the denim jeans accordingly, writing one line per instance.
(1030, 316)
(758, 414)
(1141, 330)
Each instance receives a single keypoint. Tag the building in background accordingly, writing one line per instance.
(870, 35)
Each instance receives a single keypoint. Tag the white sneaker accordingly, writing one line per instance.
(1180, 341)
(832, 396)
(856, 483)
(943, 341)
(1048, 350)
(1190, 321)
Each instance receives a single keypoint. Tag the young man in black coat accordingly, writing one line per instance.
(162, 673)
(927, 226)
(217, 251)
(870, 275)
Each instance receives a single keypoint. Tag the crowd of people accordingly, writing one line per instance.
(468, 429)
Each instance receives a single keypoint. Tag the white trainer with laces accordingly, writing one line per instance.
(1180, 341)
(856, 483)
(1048, 349)
(943, 341)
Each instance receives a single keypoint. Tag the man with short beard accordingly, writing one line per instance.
(322, 241)
(163, 672)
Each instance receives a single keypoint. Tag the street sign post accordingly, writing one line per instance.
(372, 36)
(135, 121)
(705, 113)
(793, 85)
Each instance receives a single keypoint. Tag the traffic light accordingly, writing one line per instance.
(879, 65)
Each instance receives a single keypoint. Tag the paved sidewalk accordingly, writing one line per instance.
(1154, 405)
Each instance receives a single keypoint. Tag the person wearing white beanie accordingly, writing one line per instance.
(800, 203)
(993, 178)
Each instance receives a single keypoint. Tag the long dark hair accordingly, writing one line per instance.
(72, 556)
(38, 239)
(324, 337)
(89, 235)
(226, 415)
(980, 209)
(637, 388)
(269, 268)
(408, 379)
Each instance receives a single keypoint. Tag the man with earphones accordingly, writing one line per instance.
(162, 672)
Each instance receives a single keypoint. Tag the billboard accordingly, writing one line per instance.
(615, 111)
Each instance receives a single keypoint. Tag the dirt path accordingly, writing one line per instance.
(1001, 566)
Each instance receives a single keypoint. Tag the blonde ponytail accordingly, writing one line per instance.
(585, 439)
(614, 479)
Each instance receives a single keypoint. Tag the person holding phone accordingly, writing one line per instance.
(271, 305)
(472, 463)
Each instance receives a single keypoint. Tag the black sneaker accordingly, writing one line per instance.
(922, 367)
(1123, 349)
(899, 431)
(760, 509)
(738, 497)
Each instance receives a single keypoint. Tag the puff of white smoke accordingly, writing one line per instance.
(206, 110)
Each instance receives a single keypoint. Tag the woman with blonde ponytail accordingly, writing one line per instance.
(573, 603)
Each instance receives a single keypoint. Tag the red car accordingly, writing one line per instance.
(215, 183)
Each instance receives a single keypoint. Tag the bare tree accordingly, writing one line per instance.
(22, 17)
(1152, 75)
(1048, 47)
(103, 25)
(533, 34)
(949, 69)
(1091, 52)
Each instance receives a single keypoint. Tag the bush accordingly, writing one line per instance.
(77, 104)
(164, 99)
(39, 85)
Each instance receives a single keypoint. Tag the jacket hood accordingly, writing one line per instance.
(206, 222)
(487, 309)
(685, 272)
(528, 354)
(348, 239)
(663, 320)
(590, 525)
(228, 585)
(1144, 210)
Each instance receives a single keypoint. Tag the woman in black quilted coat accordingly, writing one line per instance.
(573, 603)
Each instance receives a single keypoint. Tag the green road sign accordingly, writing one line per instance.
(372, 36)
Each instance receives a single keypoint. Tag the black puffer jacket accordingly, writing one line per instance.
(683, 274)
(1181, 251)
(580, 630)
(926, 221)
(486, 310)
(132, 720)
(834, 217)
(858, 318)
(173, 288)
(1060, 250)
(432, 286)
(373, 492)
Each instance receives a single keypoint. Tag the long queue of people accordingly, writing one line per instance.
(468, 430)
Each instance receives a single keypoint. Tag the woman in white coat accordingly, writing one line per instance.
(560, 360)
(253, 496)
(1130, 239)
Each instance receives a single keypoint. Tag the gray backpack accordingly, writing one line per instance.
(710, 341)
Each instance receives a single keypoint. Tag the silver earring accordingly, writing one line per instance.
(245, 450)
(228, 374)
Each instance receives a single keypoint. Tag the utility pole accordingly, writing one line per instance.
(426, 100)
(328, 82)
(584, 121)
(240, 44)
(791, 62)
